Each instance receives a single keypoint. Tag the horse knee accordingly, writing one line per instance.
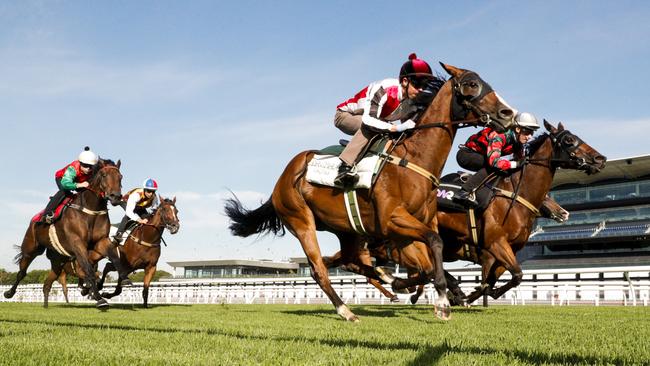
(517, 277)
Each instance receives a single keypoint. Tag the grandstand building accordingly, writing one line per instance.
(609, 223)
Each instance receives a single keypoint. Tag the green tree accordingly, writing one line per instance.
(139, 276)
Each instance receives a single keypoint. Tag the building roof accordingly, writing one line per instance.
(235, 262)
(617, 169)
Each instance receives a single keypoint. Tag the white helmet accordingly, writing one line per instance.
(88, 157)
(526, 120)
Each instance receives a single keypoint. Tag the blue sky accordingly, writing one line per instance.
(210, 96)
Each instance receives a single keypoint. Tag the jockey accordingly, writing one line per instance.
(378, 108)
(72, 177)
(484, 151)
(138, 204)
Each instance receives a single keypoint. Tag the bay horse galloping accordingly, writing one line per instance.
(142, 248)
(402, 204)
(506, 224)
(84, 224)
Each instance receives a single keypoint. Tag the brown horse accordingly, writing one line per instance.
(410, 258)
(142, 248)
(83, 225)
(505, 225)
(402, 204)
(60, 277)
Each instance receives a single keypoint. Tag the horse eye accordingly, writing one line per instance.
(470, 88)
(570, 140)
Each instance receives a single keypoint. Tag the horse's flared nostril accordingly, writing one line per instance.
(506, 113)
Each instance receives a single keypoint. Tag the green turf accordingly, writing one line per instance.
(314, 335)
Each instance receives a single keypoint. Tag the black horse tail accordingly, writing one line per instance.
(18, 256)
(262, 220)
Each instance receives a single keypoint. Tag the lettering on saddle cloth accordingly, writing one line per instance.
(57, 213)
(449, 188)
(324, 166)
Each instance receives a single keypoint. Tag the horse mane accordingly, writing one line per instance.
(536, 143)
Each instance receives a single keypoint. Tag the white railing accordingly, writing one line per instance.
(590, 286)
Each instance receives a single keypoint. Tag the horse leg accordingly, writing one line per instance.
(49, 280)
(487, 261)
(506, 256)
(459, 297)
(29, 250)
(403, 224)
(148, 276)
(107, 249)
(107, 269)
(86, 270)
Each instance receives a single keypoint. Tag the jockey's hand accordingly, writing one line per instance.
(405, 126)
(143, 221)
(83, 185)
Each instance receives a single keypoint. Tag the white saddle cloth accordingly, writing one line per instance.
(323, 169)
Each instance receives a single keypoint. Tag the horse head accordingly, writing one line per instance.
(169, 214)
(106, 180)
(571, 152)
(475, 98)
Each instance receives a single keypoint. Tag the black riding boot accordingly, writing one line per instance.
(48, 213)
(347, 175)
(466, 196)
(121, 228)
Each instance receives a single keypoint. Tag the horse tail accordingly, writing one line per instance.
(245, 222)
(18, 256)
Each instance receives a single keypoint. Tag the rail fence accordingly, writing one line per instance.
(629, 286)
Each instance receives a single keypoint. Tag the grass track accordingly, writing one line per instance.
(314, 335)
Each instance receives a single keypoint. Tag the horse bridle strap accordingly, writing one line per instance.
(87, 211)
(523, 201)
(416, 168)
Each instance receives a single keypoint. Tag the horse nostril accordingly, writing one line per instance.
(600, 159)
(507, 113)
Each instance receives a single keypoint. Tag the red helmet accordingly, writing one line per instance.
(415, 68)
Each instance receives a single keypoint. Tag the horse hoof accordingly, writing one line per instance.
(102, 304)
(84, 291)
(443, 312)
(414, 300)
(394, 299)
(9, 294)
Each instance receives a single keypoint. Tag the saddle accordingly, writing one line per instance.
(323, 168)
(58, 212)
(451, 184)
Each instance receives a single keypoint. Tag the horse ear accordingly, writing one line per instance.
(451, 70)
(560, 126)
(160, 197)
(549, 127)
(119, 162)
(174, 200)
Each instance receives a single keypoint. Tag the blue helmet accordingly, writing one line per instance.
(150, 184)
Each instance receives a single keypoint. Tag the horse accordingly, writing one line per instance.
(61, 278)
(141, 250)
(507, 222)
(401, 206)
(387, 253)
(83, 224)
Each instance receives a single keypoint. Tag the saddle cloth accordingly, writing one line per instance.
(57, 213)
(323, 169)
(450, 186)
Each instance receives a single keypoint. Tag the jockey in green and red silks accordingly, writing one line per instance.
(73, 176)
(484, 151)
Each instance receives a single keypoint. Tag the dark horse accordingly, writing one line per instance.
(83, 225)
(60, 277)
(142, 248)
(505, 225)
(402, 205)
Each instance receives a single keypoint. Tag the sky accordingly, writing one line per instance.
(209, 97)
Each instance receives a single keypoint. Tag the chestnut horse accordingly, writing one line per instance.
(60, 277)
(142, 248)
(505, 225)
(83, 225)
(401, 206)
(411, 260)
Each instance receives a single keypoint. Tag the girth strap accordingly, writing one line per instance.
(56, 243)
(352, 208)
(523, 201)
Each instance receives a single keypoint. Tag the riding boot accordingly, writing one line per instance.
(121, 228)
(347, 175)
(55, 200)
(467, 195)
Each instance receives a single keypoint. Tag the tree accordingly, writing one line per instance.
(139, 276)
